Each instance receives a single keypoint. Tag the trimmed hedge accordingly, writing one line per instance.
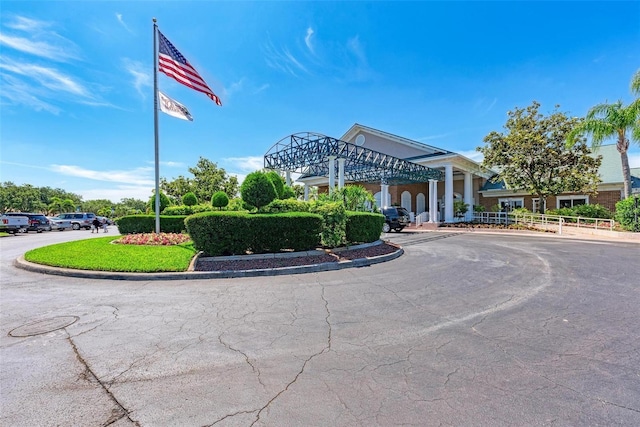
(186, 210)
(363, 227)
(237, 233)
(133, 224)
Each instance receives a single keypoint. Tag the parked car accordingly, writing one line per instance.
(79, 219)
(37, 222)
(59, 224)
(395, 218)
(14, 224)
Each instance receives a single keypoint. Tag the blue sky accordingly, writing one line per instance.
(76, 94)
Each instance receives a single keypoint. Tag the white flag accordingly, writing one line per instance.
(173, 107)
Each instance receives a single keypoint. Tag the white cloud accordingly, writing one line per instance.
(19, 93)
(483, 105)
(246, 164)
(142, 176)
(141, 77)
(117, 193)
(474, 155)
(262, 88)
(47, 77)
(307, 39)
(40, 41)
(121, 21)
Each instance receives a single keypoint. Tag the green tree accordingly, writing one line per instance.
(616, 120)
(288, 193)
(460, 208)
(532, 155)
(189, 199)
(219, 200)
(208, 178)
(96, 205)
(176, 188)
(258, 190)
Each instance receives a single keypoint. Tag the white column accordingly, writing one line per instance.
(384, 195)
(434, 202)
(468, 195)
(306, 191)
(341, 173)
(432, 208)
(332, 173)
(448, 193)
(288, 178)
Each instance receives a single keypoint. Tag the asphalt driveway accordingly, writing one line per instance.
(463, 329)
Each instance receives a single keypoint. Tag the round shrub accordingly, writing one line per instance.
(257, 190)
(189, 199)
(219, 200)
(278, 183)
(164, 202)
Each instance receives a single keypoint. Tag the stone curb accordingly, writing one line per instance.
(190, 275)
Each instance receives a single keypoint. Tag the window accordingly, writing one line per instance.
(571, 201)
(507, 205)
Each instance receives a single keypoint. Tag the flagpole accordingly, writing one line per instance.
(155, 123)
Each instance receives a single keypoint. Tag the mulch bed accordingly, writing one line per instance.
(260, 264)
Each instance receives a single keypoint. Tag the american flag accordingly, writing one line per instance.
(173, 64)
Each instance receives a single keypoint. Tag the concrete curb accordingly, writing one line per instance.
(187, 275)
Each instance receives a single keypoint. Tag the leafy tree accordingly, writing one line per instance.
(164, 202)
(532, 154)
(189, 199)
(129, 206)
(616, 120)
(208, 178)
(219, 200)
(278, 182)
(20, 198)
(96, 205)
(258, 190)
(176, 188)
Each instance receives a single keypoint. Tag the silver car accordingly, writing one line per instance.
(57, 223)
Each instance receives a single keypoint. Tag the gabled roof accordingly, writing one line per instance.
(429, 150)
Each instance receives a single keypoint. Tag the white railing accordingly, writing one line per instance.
(544, 221)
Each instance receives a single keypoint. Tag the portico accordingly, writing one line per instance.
(398, 171)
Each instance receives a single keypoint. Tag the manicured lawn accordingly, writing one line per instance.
(100, 254)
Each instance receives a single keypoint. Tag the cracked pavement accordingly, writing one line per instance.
(474, 329)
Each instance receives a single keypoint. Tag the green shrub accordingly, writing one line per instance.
(627, 211)
(237, 204)
(164, 202)
(186, 210)
(334, 222)
(189, 199)
(147, 224)
(257, 190)
(277, 182)
(592, 211)
(286, 205)
(288, 193)
(363, 227)
(219, 200)
(479, 208)
(256, 233)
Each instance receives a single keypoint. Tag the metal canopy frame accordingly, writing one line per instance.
(308, 153)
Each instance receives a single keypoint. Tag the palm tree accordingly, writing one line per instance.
(635, 83)
(605, 121)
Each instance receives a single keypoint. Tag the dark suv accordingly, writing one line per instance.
(37, 222)
(395, 218)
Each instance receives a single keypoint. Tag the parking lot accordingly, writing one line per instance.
(464, 329)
